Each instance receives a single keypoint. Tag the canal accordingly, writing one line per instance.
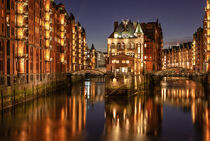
(177, 109)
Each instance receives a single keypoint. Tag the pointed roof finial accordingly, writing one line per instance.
(139, 29)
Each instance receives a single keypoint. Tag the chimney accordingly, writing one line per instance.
(115, 25)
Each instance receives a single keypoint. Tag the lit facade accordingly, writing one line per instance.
(207, 36)
(38, 41)
(125, 48)
(153, 44)
(78, 46)
(178, 56)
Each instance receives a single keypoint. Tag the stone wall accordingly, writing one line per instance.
(23, 88)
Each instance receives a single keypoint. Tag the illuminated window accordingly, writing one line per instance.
(62, 28)
(208, 31)
(47, 34)
(47, 25)
(47, 5)
(20, 20)
(132, 46)
(20, 33)
(115, 35)
(47, 54)
(47, 16)
(139, 50)
(62, 34)
(20, 8)
(113, 50)
(127, 61)
(62, 19)
(20, 48)
(62, 42)
(47, 43)
(62, 57)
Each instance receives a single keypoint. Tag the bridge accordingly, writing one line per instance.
(156, 77)
(177, 72)
(88, 72)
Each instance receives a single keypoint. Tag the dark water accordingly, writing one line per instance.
(178, 110)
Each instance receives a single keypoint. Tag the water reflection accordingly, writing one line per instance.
(82, 113)
(190, 96)
(94, 89)
(127, 118)
(47, 119)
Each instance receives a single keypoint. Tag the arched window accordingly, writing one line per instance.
(118, 45)
(132, 45)
(123, 45)
(113, 45)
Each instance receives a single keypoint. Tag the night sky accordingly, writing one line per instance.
(179, 18)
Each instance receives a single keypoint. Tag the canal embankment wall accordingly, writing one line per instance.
(25, 88)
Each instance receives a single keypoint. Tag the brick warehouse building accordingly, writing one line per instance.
(39, 37)
(39, 42)
(134, 47)
(153, 38)
(198, 50)
(178, 56)
(206, 27)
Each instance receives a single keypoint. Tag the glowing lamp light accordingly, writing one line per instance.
(62, 42)
(20, 8)
(116, 35)
(62, 28)
(47, 16)
(20, 20)
(20, 33)
(21, 66)
(62, 35)
(47, 34)
(62, 57)
(47, 25)
(62, 19)
(208, 31)
(47, 55)
(20, 49)
(47, 43)
(47, 5)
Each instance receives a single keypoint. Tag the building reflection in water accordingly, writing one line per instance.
(94, 89)
(46, 120)
(58, 117)
(137, 116)
(188, 95)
